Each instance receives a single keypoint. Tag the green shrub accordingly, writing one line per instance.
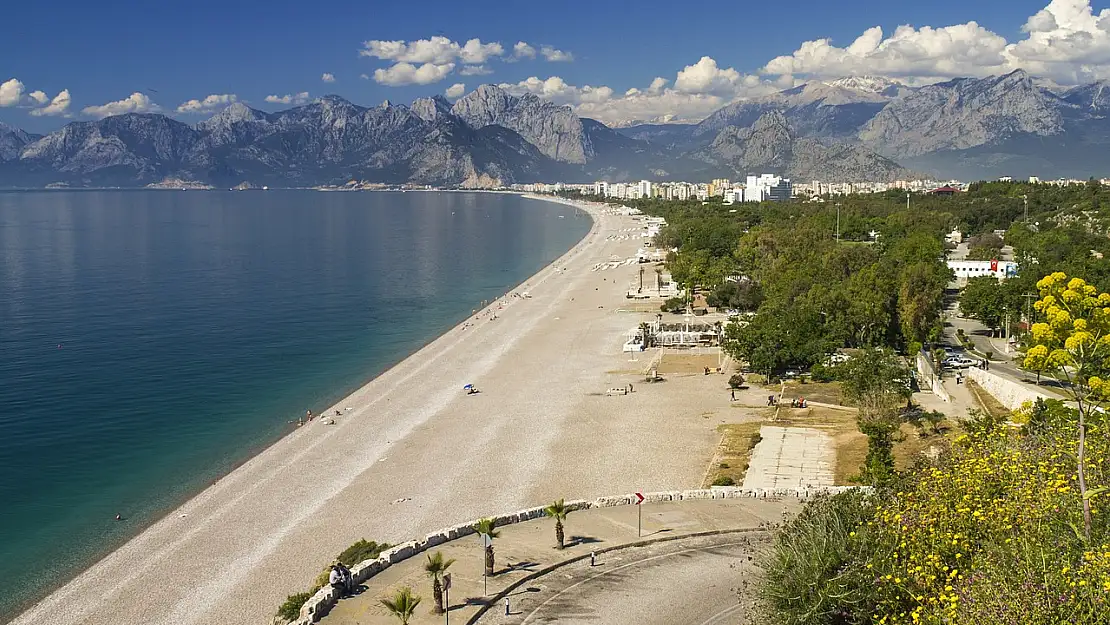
(814, 572)
(724, 480)
(824, 373)
(736, 381)
(756, 437)
(673, 304)
(291, 609)
(361, 551)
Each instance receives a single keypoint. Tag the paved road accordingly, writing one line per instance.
(702, 581)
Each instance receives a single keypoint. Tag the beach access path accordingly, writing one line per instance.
(411, 453)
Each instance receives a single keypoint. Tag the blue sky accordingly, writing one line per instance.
(103, 52)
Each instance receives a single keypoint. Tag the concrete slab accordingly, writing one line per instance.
(791, 457)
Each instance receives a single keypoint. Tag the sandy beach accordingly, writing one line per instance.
(412, 452)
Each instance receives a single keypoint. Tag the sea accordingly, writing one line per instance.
(151, 341)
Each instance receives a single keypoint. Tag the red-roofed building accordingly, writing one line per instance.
(945, 190)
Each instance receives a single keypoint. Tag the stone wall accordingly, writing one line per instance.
(1009, 393)
(325, 598)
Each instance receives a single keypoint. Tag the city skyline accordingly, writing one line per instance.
(274, 57)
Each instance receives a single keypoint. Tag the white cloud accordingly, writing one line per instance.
(135, 103)
(554, 55)
(39, 97)
(11, 92)
(475, 70)
(523, 51)
(1066, 42)
(704, 77)
(364, 76)
(58, 106)
(408, 74)
(208, 104)
(699, 89)
(328, 77)
(435, 50)
(455, 90)
(295, 99)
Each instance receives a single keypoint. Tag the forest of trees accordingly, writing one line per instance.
(812, 293)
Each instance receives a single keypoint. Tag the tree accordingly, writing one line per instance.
(402, 604)
(983, 299)
(778, 338)
(485, 527)
(558, 511)
(435, 567)
(876, 382)
(1073, 344)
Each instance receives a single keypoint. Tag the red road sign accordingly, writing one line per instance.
(640, 497)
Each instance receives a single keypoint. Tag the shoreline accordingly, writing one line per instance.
(43, 601)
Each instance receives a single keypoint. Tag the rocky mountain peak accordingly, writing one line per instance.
(555, 130)
(773, 121)
(12, 142)
(234, 113)
(431, 109)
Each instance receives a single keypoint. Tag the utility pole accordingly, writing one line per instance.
(1026, 199)
(907, 199)
(838, 222)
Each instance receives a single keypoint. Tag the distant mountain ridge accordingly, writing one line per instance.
(863, 128)
(968, 128)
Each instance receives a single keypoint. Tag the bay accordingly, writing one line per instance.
(150, 341)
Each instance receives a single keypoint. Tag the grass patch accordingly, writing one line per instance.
(735, 452)
(821, 392)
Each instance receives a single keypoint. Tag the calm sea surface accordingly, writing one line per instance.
(152, 340)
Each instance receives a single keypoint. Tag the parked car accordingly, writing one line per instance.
(960, 362)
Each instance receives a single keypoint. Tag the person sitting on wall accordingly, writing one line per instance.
(335, 579)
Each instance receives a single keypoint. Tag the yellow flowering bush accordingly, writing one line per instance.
(993, 535)
(990, 534)
(1073, 344)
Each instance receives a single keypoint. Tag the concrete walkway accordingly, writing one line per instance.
(791, 458)
(524, 549)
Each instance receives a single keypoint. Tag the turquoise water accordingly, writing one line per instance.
(152, 340)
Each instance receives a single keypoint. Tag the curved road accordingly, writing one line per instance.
(701, 581)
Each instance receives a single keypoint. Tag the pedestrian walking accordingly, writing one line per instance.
(733, 394)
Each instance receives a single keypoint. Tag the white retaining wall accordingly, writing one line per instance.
(928, 377)
(325, 598)
(1009, 393)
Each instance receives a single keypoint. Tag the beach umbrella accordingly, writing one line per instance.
(468, 387)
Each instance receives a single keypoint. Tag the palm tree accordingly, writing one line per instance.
(436, 566)
(558, 511)
(402, 604)
(484, 527)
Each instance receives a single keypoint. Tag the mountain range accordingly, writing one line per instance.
(851, 129)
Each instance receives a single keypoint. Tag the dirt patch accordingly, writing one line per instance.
(690, 364)
(916, 443)
(986, 400)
